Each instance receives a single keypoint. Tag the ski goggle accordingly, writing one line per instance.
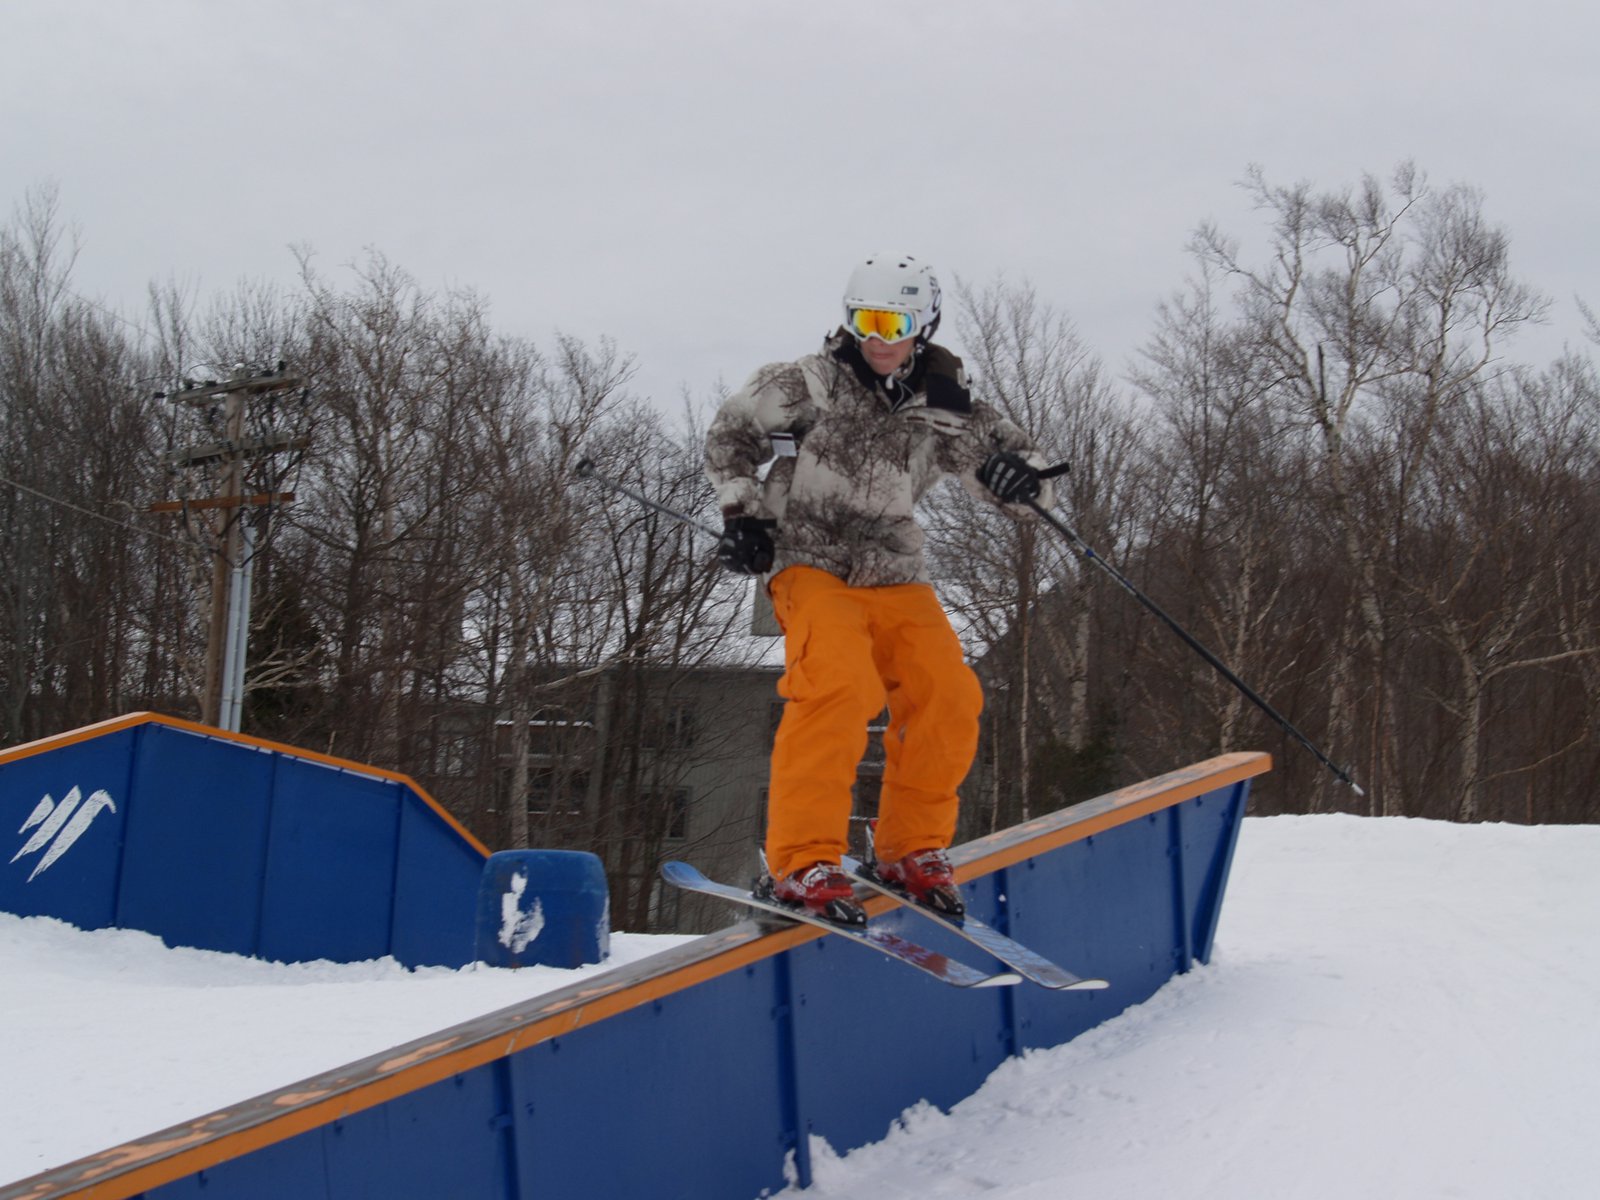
(880, 323)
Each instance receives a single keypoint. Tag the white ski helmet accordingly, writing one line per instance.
(894, 283)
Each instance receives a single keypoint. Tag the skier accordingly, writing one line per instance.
(856, 433)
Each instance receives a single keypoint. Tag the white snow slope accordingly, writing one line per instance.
(1393, 1009)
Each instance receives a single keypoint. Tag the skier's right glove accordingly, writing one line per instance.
(1011, 478)
(746, 545)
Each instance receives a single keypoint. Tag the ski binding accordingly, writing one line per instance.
(930, 962)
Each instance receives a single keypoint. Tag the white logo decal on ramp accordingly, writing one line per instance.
(518, 929)
(60, 825)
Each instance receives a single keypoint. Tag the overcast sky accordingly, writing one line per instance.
(696, 179)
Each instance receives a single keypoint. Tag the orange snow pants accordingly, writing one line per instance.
(848, 651)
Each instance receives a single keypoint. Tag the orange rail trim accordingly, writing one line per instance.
(124, 1171)
(116, 724)
(1081, 821)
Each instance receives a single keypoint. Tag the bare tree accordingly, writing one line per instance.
(531, 528)
(671, 613)
(77, 458)
(1027, 360)
(1502, 559)
(1376, 311)
(1227, 542)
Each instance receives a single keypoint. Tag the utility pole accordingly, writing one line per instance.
(231, 535)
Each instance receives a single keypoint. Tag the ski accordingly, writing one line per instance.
(930, 962)
(990, 940)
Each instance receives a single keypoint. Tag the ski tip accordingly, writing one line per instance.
(676, 872)
(1003, 979)
(1087, 985)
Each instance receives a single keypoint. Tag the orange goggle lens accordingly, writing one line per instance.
(881, 323)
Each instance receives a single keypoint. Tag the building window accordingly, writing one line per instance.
(452, 756)
(672, 805)
(549, 737)
(670, 728)
(557, 793)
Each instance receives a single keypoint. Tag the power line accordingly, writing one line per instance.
(67, 504)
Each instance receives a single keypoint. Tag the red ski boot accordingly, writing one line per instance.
(927, 878)
(822, 889)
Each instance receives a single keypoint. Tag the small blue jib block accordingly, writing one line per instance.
(543, 907)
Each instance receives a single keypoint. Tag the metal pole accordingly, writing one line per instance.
(585, 470)
(225, 713)
(226, 578)
(223, 576)
(763, 621)
(238, 639)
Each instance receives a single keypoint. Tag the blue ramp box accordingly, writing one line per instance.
(533, 1100)
(225, 842)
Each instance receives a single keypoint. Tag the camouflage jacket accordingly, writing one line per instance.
(851, 455)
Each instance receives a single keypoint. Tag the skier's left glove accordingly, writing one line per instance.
(746, 546)
(1010, 478)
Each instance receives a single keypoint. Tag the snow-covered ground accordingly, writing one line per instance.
(1394, 1009)
(109, 1035)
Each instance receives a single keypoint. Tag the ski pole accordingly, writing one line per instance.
(1087, 553)
(585, 470)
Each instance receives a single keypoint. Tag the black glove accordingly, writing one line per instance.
(746, 545)
(1010, 478)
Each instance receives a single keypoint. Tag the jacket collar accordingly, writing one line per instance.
(898, 387)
